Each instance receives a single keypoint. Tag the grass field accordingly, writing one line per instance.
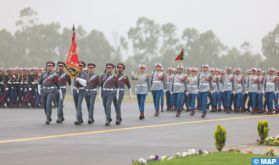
(218, 158)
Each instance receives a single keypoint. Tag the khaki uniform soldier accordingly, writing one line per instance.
(109, 84)
(123, 80)
(48, 85)
(63, 79)
(79, 92)
(91, 91)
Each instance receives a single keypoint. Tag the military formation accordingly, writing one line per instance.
(19, 87)
(180, 88)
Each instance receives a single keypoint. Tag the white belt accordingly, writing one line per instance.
(143, 85)
(49, 87)
(78, 88)
(63, 87)
(91, 90)
(157, 81)
(109, 89)
(121, 89)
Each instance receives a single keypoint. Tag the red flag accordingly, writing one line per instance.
(180, 56)
(72, 67)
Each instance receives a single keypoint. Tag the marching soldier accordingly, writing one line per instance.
(270, 85)
(48, 85)
(178, 89)
(260, 91)
(204, 81)
(158, 84)
(79, 92)
(123, 81)
(252, 87)
(228, 87)
(186, 94)
(245, 97)
(63, 79)
(169, 95)
(238, 90)
(109, 84)
(91, 89)
(142, 87)
(214, 90)
(192, 89)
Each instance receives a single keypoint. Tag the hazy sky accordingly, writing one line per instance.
(233, 21)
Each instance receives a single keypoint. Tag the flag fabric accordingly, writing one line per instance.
(180, 56)
(72, 67)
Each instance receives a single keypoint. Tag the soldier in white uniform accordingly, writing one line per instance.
(228, 87)
(158, 84)
(260, 92)
(204, 80)
(214, 89)
(178, 89)
(142, 87)
(193, 89)
(270, 85)
(238, 90)
(252, 87)
(169, 95)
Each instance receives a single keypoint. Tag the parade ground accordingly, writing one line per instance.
(25, 139)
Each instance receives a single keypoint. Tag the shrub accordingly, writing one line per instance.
(263, 130)
(220, 137)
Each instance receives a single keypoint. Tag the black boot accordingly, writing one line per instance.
(203, 114)
(90, 120)
(108, 122)
(48, 120)
(78, 122)
(192, 113)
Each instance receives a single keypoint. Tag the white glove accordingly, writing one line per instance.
(81, 81)
(234, 92)
(117, 94)
(39, 89)
(149, 94)
(246, 92)
(60, 94)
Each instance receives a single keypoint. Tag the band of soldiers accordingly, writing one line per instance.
(211, 89)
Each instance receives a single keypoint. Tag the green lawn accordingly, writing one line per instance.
(218, 158)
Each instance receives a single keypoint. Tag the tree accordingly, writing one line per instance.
(145, 39)
(8, 50)
(202, 48)
(28, 17)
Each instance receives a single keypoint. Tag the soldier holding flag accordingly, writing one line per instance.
(79, 92)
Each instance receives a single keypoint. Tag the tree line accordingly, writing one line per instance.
(33, 43)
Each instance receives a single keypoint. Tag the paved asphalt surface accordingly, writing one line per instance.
(25, 139)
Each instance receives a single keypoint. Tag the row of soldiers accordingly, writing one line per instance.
(255, 91)
(19, 87)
